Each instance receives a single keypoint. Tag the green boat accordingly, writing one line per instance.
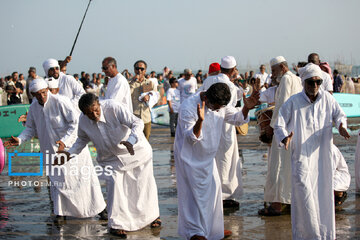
(9, 115)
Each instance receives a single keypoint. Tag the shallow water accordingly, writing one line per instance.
(25, 211)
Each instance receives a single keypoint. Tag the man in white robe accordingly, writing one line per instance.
(132, 201)
(54, 121)
(227, 157)
(200, 211)
(305, 125)
(118, 87)
(68, 86)
(187, 85)
(264, 78)
(278, 178)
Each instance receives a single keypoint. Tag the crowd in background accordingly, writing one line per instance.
(14, 87)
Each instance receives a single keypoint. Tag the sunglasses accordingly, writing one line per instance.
(105, 68)
(313, 82)
(139, 68)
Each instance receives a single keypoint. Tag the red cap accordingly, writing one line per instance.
(214, 67)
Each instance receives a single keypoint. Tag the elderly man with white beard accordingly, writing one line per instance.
(54, 121)
(68, 86)
(278, 184)
(305, 124)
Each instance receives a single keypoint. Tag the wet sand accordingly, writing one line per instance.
(25, 212)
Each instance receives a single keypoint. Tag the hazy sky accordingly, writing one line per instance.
(176, 33)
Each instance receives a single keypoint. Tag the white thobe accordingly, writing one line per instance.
(200, 210)
(278, 178)
(357, 164)
(118, 89)
(327, 84)
(77, 195)
(227, 157)
(342, 176)
(155, 82)
(187, 88)
(312, 200)
(132, 192)
(263, 77)
(268, 96)
(69, 87)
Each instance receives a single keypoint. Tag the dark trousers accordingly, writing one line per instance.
(173, 122)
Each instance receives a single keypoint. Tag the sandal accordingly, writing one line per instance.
(230, 204)
(156, 223)
(227, 233)
(118, 232)
(340, 200)
(269, 211)
(103, 215)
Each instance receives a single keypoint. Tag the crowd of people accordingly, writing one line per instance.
(14, 88)
(113, 111)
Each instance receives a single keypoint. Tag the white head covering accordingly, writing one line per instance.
(309, 71)
(228, 62)
(52, 82)
(277, 60)
(37, 84)
(50, 63)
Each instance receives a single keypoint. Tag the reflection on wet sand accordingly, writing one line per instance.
(25, 211)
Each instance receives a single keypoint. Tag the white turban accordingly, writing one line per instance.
(52, 82)
(228, 62)
(37, 84)
(277, 60)
(309, 71)
(50, 63)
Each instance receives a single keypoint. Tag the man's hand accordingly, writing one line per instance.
(201, 111)
(68, 59)
(14, 141)
(22, 118)
(251, 101)
(63, 159)
(128, 146)
(136, 77)
(171, 110)
(257, 85)
(61, 145)
(286, 141)
(343, 132)
(198, 124)
(146, 98)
